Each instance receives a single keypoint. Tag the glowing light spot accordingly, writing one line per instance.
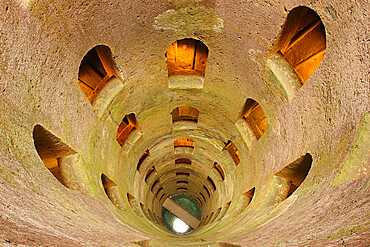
(179, 226)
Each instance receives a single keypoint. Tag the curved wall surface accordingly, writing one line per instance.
(258, 111)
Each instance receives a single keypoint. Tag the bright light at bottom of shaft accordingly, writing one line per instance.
(179, 226)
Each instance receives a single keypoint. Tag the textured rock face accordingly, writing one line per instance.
(233, 174)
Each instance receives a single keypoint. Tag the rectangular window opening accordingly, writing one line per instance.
(182, 182)
(182, 173)
(183, 161)
(184, 142)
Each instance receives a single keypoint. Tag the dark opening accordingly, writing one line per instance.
(218, 168)
(184, 142)
(96, 68)
(50, 149)
(302, 41)
(206, 189)
(142, 158)
(296, 172)
(255, 117)
(185, 113)
(233, 151)
(150, 172)
(154, 184)
(204, 199)
(182, 173)
(183, 161)
(159, 190)
(182, 182)
(127, 125)
(212, 183)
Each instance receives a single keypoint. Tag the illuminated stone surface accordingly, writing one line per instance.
(42, 47)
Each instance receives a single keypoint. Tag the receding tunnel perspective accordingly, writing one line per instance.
(187, 123)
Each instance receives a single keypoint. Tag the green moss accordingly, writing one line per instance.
(358, 161)
(188, 19)
(358, 229)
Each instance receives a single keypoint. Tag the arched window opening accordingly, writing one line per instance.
(146, 213)
(182, 182)
(182, 189)
(211, 183)
(107, 183)
(255, 117)
(296, 172)
(184, 142)
(150, 172)
(219, 170)
(141, 160)
(96, 68)
(159, 190)
(154, 184)
(185, 113)
(209, 218)
(302, 41)
(298, 52)
(206, 189)
(51, 149)
(226, 208)
(182, 173)
(127, 125)
(199, 201)
(216, 214)
(162, 197)
(201, 194)
(233, 151)
(130, 197)
(133, 204)
(183, 161)
(187, 57)
(249, 196)
(111, 190)
(205, 220)
(152, 216)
